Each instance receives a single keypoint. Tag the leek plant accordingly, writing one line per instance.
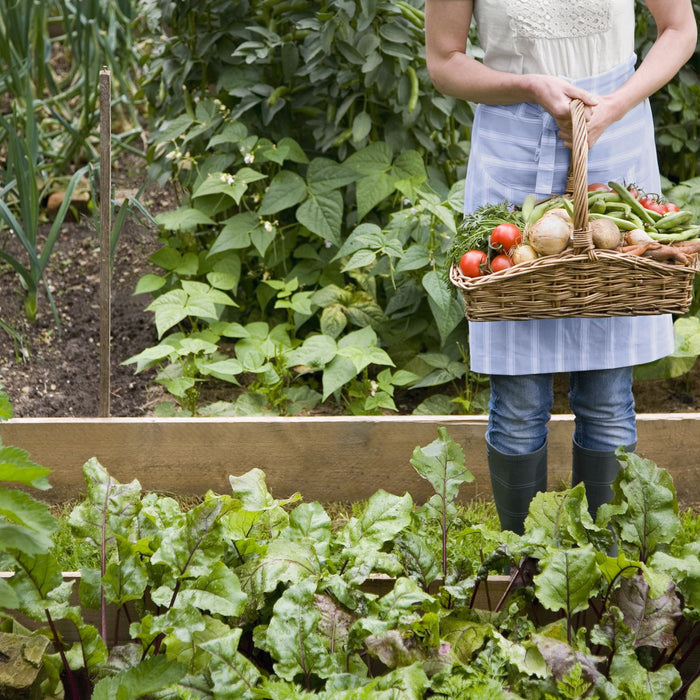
(20, 190)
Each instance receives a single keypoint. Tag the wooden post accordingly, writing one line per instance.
(105, 239)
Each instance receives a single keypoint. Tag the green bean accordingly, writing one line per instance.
(670, 237)
(622, 224)
(626, 196)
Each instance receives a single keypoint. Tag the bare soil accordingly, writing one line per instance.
(51, 372)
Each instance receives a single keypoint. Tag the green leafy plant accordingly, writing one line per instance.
(35, 40)
(21, 191)
(675, 107)
(265, 61)
(274, 235)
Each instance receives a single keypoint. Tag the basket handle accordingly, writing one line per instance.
(578, 177)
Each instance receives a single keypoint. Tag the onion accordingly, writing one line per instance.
(523, 253)
(550, 234)
(605, 234)
(637, 236)
(562, 214)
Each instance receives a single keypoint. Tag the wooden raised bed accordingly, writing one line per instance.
(325, 459)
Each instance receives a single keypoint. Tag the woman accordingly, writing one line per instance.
(538, 56)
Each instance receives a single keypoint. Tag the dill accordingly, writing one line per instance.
(475, 228)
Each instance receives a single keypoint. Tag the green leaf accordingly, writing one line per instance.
(362, 356)
(325, 175)
(292, 636)
(360, 259)
(39, 586)
(373, 159)
(225, 273)
(218, 592)
(568, 579)
(310, 524)
(283, 561)
(233, 675)
(333, 320)
(195, 299)
(361, 126)
(190, 548)
(286, 190)
(446, 308)
(409, 165)
(149, 283)
(685, 571)
(8, 598)
(153, 674)
(561, 518)
(415, 257)
(632, 680)
(322, 214)
(26, 524)
(236, 233)
(5, 406)
(183, 219)
(313, 354)
(15, 466)
(644, 507)
(336, 374)
(686, 330)
(371, 190)
(442, 463)
(362, 539)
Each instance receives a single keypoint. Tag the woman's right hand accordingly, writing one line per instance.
(554, 95)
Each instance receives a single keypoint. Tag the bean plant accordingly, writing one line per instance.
(342, 260)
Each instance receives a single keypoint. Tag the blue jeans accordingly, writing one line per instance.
(601, 401)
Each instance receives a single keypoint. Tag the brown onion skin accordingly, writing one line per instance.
(549, 235)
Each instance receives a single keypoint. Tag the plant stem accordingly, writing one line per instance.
(70, 677)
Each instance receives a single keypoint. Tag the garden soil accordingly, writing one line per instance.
(52, 372)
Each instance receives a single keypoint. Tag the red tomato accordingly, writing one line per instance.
(506, 237)
(473, 263)
(501, 262)
(652, 204)
(598, 187)
(670, 207)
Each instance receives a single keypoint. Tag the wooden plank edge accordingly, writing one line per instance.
(331, 458)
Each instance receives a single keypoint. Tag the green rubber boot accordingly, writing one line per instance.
(597, 470)
(515, 479)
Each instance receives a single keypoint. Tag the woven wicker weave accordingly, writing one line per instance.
(582, 281)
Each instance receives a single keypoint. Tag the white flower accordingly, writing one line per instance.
(268, 226)
(373, 388)
(249, 158)
(227, 178)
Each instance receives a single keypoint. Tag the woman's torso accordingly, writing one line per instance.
(571, 38)
(516, 151)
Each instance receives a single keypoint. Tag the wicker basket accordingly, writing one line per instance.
(582, 281)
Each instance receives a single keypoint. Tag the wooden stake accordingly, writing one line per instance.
(105, 238)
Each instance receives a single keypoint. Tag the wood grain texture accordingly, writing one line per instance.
(325, 459)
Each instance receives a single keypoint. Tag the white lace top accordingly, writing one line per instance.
(569, 38)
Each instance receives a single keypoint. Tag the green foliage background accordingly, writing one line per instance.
(319, 178)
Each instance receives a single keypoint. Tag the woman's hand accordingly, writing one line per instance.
(555, 95)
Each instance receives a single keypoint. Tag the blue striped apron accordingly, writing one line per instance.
(515, 151)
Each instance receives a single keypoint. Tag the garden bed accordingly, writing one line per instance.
(331, 459)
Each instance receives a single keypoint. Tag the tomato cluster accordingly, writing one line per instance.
(653, 203)
(659, 207)
(503, 239)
